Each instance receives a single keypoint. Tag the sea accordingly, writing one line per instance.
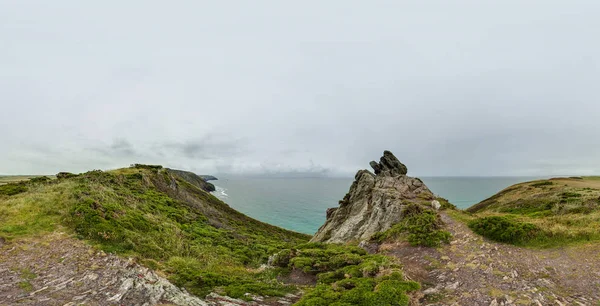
(299, 204)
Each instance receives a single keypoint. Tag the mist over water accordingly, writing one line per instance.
(299, 204)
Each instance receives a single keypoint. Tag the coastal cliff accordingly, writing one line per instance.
(200, 181)
(375, 202)
(143, 235)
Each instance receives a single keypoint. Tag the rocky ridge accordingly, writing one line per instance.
(200, 181)
(374, 202)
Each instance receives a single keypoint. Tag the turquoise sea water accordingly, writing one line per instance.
(299, 204)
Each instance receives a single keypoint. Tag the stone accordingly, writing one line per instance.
(436, 204)
(453, 286)
(430, 291)
(388, 165)
(374, 203)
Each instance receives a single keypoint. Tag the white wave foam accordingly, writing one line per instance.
(221, 192)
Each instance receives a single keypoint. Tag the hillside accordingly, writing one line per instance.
(147, 234)
(533, 243)
(155, 216)
(558, 211)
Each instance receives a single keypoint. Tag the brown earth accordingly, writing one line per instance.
(472, 270)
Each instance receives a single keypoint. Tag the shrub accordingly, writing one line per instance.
(12, 189)
(150, 167)
(65, 175)
(420, 226)
(39, 179)
(541, 184)
(503, 229)
(348, 276)
(360, 291)
(566, 195)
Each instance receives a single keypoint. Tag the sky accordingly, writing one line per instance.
(453, 88)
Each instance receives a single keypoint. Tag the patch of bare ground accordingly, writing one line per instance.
(61, 270)
(472, 270)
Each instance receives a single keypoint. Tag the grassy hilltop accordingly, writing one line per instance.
(157, 216)
(541, 213)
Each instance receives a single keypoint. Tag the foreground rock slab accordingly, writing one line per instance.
(60, 270)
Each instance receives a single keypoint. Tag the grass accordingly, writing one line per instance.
(419, 226)
(564, 211)
(199, 242)
(347, 275)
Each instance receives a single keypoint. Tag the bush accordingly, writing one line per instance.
(360, 291)
(150, 167)
(12, 189)
(566, 195)
(541, 184)
(420, 226)
(39, 179)
(347, 275)
(503, 229)
(65, 175)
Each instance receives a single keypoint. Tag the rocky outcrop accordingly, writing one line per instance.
(193, 179)
(388, 165)
(207, 178)
(374, 202)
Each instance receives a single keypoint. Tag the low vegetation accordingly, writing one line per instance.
(420, 226)
(165, 222)
(545, 213)
(503, 229)
(445, 204)
(12, 189)
(347, 275)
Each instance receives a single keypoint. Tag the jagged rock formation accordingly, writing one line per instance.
(374, 203)
(207, 178)
(193, 178)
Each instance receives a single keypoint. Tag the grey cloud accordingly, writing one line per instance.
(452, 88)
(119, 147)
(207, 148)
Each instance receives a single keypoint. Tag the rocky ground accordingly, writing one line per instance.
(61, 270)
(474, 271)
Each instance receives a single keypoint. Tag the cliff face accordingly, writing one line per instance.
(374, 202)
(199, 181)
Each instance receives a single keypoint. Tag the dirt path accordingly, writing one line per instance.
(474, 271)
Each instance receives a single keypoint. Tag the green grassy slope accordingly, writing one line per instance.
(155, 215)
(542, 213)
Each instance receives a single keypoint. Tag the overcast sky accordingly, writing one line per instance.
(250, 87)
